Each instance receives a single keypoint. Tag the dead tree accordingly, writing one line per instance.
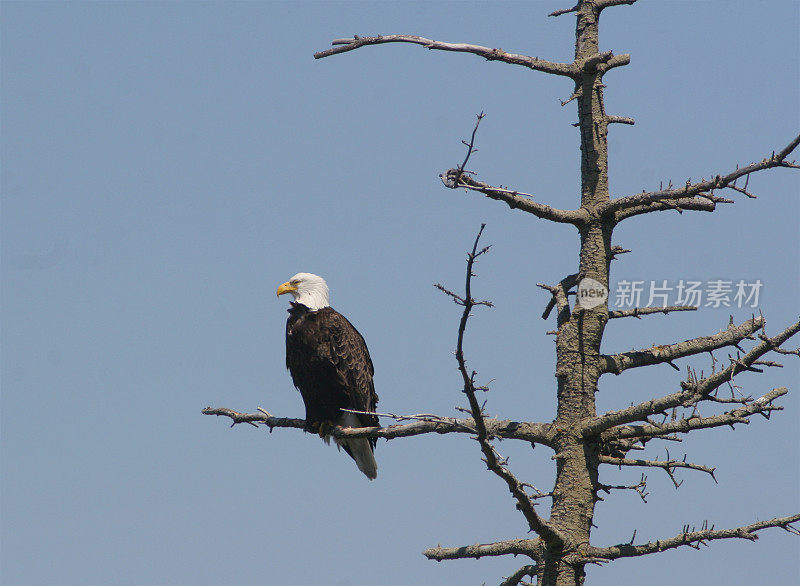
(581, 439)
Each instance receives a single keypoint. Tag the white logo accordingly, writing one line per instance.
(591, 293)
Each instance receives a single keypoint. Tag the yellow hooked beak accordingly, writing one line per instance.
(286, 287)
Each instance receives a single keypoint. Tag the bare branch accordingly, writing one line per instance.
(517, 489)
(592, 63)
(565, 69)
(633, 413)
(795, 352)
(689, 538)
(618, 363)
(262, 417)
(637, 312)
(640, 488)
(616, 61)
(576, 93)
(616, 250)
(539, 433)
(559, 299)
(694, 390)
(604, 61)
(454, 179)
(761, 405)
(785, 152)
(620, 120)
(690, 190)
(516, 577)
(565, 10)
(602, 4)
(510, 547)
(742, 190)
(470, 149)
(705, 203)
(665, 464)
(708, 384)
(416, 417)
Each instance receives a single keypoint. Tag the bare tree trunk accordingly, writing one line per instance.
(579, 337)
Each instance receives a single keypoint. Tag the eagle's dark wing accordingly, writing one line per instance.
(331, 367)
(353, 364)
(313, 368)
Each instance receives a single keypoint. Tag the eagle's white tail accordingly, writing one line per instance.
(360, 449)
(362, 454)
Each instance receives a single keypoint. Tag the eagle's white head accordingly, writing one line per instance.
(310, 290)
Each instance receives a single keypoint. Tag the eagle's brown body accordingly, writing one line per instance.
(330, 366)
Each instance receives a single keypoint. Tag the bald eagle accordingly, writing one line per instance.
(330, 366)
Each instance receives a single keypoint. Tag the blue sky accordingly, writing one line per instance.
(166, 165)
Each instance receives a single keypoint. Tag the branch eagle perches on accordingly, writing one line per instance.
(540, 433)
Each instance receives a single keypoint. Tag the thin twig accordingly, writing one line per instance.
(525, 504)
(470, 149)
